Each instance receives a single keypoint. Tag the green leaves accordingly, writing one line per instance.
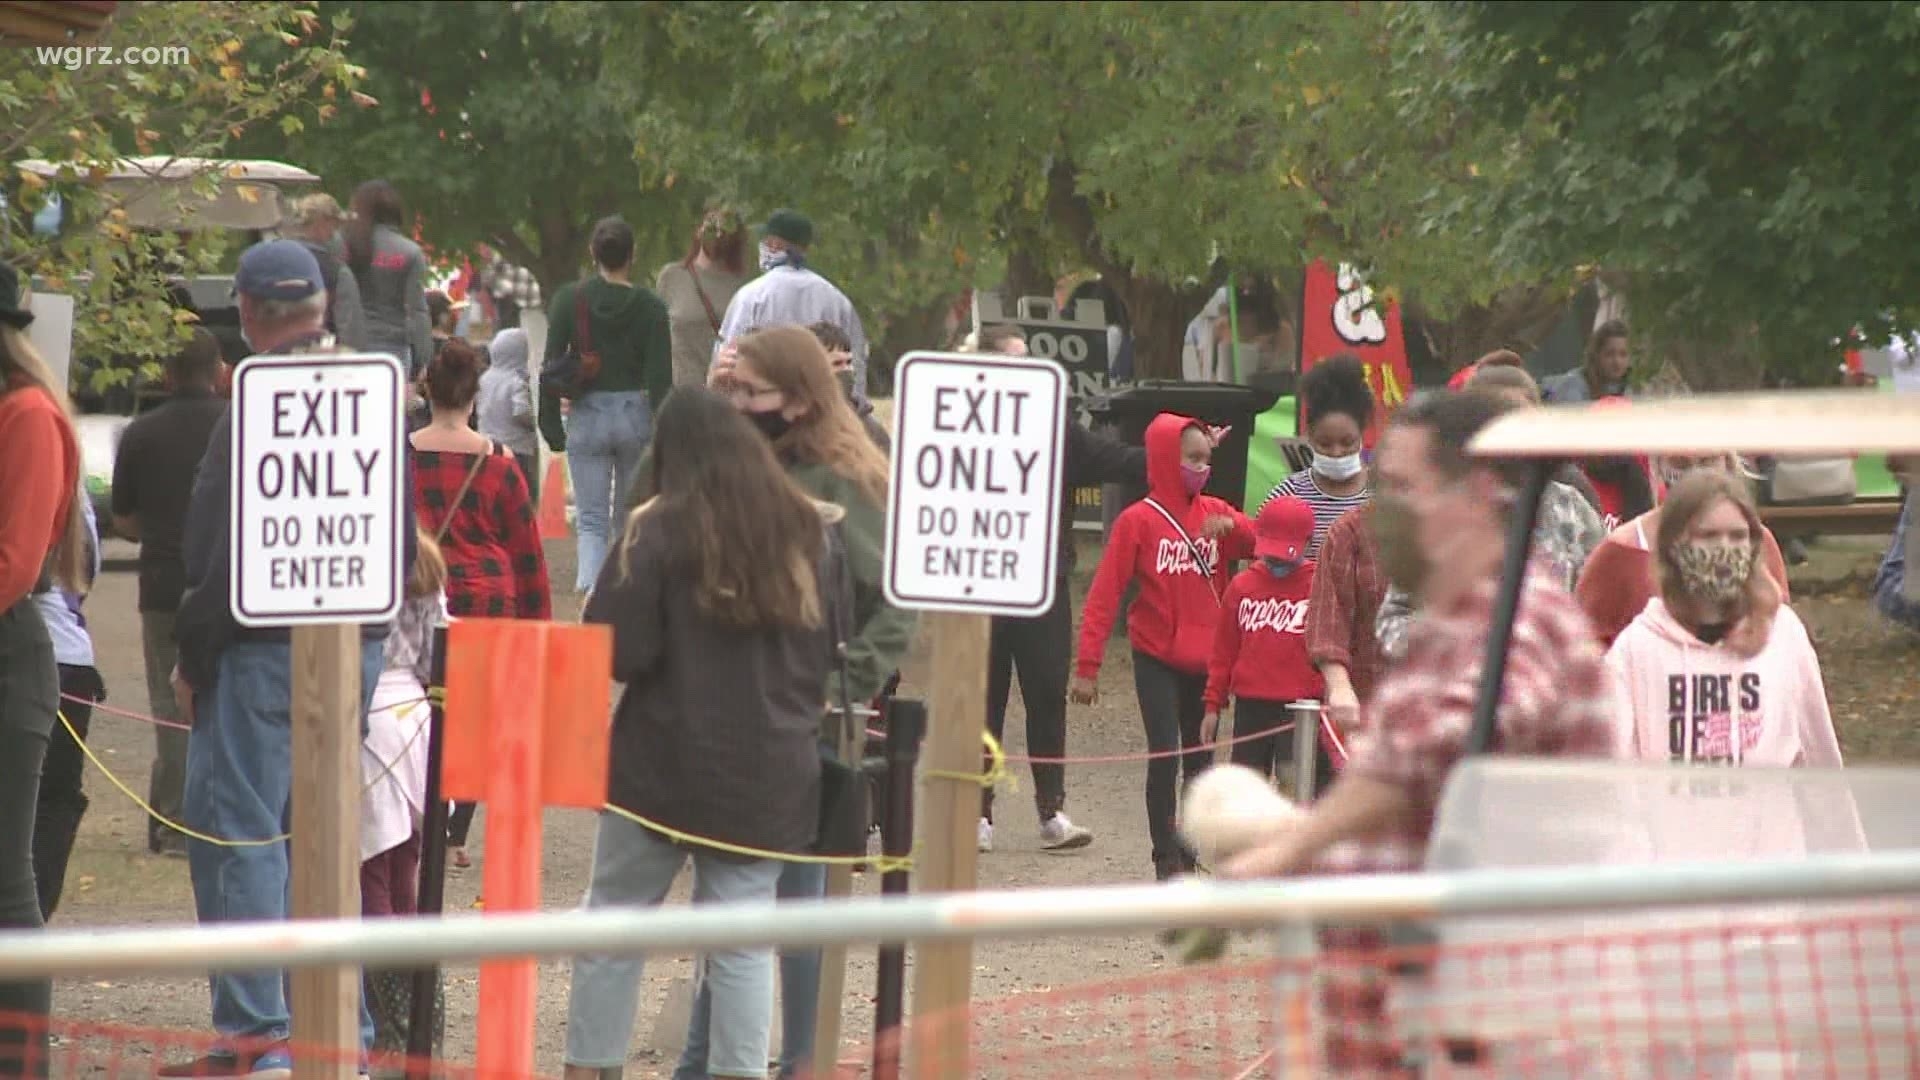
(1748, 169)
(247, 63)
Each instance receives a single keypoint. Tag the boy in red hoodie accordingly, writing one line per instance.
(1178, 544)
(1260, 647)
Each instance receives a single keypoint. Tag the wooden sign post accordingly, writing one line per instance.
(973, 527)
(526, 729)
(317, 542)
(327, 712)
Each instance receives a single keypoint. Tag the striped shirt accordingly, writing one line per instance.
(1326, 508)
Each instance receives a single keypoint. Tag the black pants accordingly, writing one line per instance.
(29, 695)
(1041, 649)
(1265, 755)
(460, 822)
(530, 469)
(1171, 708)
(63, 796)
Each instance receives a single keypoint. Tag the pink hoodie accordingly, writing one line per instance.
(1688, 697)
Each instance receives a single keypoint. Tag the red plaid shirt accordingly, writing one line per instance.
(1555, 702)
(495, 566)
(1348, 586)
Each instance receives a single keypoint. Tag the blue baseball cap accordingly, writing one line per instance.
(277, 270)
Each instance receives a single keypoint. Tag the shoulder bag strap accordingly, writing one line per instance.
(837, 626)
(704, 302)
(580, 322)
(466, 485)
(1199, 560)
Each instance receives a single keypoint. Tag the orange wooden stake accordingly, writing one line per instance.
(527, 706)
(553, 502)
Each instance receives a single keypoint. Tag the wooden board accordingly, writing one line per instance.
(327, 713)
(1784, 423)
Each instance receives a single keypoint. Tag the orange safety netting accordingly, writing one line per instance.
(1759, 995)
(1781, 993)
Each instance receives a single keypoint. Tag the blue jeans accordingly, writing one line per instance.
(239, 782)
(606, 435)
(799, 990)
(634, 868)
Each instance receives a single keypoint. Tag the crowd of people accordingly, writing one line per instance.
(729, 480)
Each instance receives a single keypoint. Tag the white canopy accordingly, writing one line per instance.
(157, 192)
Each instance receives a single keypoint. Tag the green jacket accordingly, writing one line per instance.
(883, 631)
(628, 327)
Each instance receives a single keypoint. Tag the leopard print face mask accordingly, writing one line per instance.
(1714, 573)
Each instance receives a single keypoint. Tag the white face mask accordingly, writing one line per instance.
(770, 256)
(1337, 469)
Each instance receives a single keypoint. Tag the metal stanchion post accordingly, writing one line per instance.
(433, 872)
(1306, 747)
(906, 724)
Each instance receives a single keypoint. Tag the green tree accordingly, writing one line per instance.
(496, 126)
(1155, 143)
(247, 65)
(1749, 169)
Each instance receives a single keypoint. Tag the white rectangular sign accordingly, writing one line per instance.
(318, 482)
(973, 512)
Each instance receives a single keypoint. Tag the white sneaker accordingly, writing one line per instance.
(986, 835)
(1059, 833)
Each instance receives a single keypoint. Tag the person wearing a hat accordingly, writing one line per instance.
(234, 688)
(41, 540)
(788, 293)
(316, 224)
(1260, 643)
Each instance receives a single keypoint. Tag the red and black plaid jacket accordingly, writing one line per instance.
(495, 565)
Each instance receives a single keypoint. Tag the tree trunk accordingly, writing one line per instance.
(1159, 312)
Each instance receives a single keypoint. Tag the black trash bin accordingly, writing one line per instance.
(1128, 412)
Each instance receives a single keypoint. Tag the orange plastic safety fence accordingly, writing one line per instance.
(92, 1050)
(1705, 997)
(1762, 994)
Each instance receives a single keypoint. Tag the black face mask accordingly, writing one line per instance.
(845, 379)
(773, 423)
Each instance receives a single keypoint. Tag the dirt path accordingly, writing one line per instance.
(1872, 677)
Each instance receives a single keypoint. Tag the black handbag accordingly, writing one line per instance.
(571, 374)
(845, 816)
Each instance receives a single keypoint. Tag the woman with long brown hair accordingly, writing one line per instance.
(724, 596)
(41, 541)
(782, 381)
(391, 272)
(1718, 668)
(698, 288)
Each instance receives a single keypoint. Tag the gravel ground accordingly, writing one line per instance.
(1871, 672)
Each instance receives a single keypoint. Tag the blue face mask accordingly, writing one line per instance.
(1280, 567)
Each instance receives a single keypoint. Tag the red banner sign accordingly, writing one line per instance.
(1339, 315)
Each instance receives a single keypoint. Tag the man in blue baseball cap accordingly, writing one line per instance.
(234, 686)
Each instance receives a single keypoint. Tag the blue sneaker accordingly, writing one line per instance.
(275, 1064)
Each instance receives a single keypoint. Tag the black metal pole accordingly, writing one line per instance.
(906, 725)
(433, 872)
(1506, 605)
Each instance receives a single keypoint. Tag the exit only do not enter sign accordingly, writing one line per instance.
(973, 513)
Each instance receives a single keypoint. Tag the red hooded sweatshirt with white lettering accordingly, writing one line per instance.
(1173, 618)
(1260, 646)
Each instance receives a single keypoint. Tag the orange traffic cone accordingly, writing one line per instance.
(553, 502)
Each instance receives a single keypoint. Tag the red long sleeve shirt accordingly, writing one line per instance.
(37, 485)
(1260, 643)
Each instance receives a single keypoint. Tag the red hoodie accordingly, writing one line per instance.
(1260, 646)
(1173, 618)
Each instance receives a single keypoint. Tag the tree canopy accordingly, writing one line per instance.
(248, 65)
(1750, 169)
